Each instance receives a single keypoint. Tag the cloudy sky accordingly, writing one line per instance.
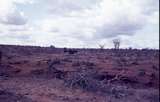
(80, 23)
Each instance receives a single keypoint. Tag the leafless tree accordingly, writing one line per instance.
(116, 43)
(101, 46)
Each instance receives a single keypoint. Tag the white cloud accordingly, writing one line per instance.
(82, 22)
(5, 7)
(14, 18)
(67, 6)
(9, 14)
(108, 19)
(24, 1)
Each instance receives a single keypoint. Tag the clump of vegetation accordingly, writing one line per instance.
(52, 46)
(86, 63)
(83, 79)
(87, 80)
(8, 71)
(152, 97)
(155, 67)
(65, 50)
(141, 72)
(6, 96)
(52, 71)
(135, 62)
(153, 75)
(37, 72)
(118, 92)
(89, 64)
(53, 62)
(76, 64)
(67, 60)
(70, 51)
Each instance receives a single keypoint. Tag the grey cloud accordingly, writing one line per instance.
(21, 28)
(18, 37)
(15, 18)
(151, 6)
(66, 6)
(124, 24)
(121, 27)
(90, 25)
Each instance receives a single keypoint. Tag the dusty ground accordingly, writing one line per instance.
(35, 74)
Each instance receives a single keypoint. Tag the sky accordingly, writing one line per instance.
(80, 23)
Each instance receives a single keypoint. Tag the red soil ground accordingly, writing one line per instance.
(43, 74)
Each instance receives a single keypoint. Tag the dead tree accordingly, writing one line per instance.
(116, 43)
(101, 46)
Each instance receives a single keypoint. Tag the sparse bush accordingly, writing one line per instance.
(38, 63)
(155, 67)
(130, 48)
(135, 63)
(65, 50)
(55, 73)
(70, 51)
(86, 79)
(67, 60)
(141, 72)
(7, 71)
(52, 46)
(0, 57)
(53, 62)
(153, 75)
(151, 97)
(6, 96)
(83, 63)
(51, 67)
(76, 64)
(37, 72)
(89, 64)
(16, 62)
(83, 79)
(118, 92)
(52, 71)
